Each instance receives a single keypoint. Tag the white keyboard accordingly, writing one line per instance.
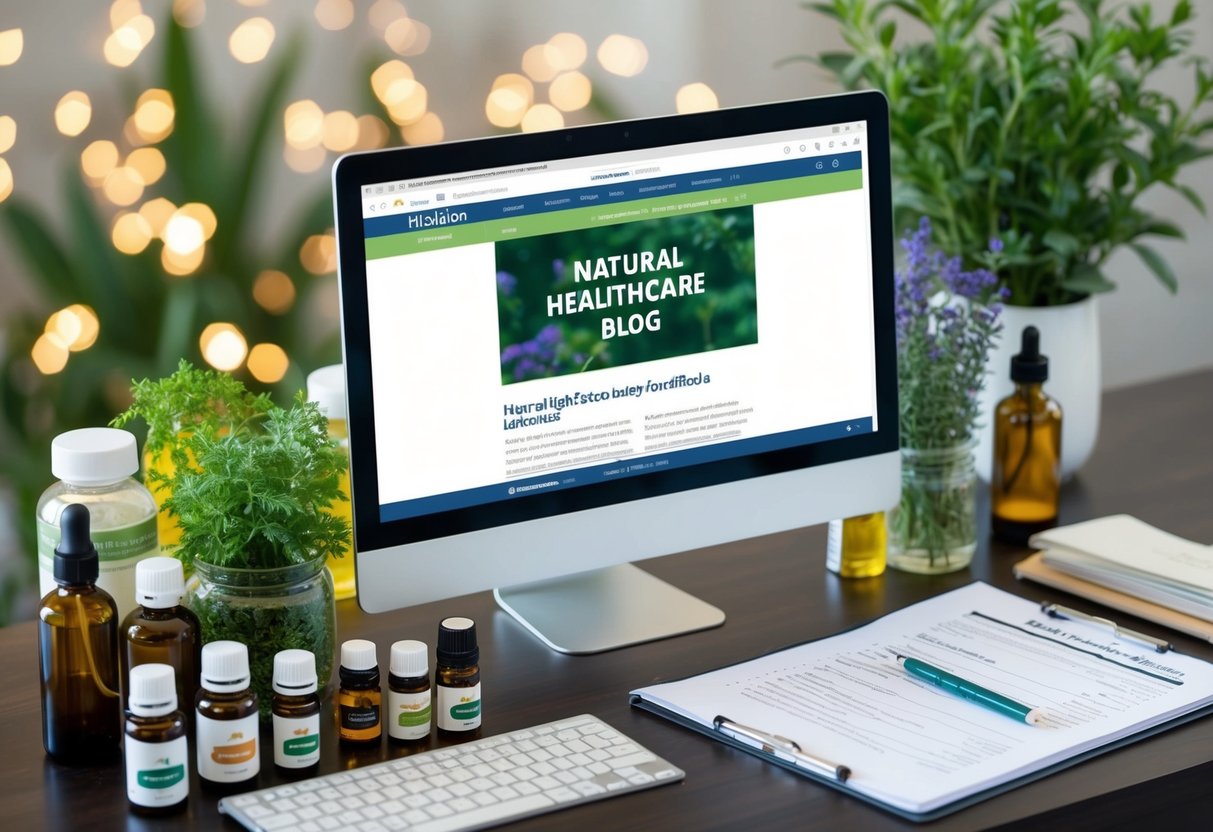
(469, 786)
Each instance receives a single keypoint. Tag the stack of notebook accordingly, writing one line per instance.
(1132, 566)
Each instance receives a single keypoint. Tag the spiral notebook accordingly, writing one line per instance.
(843, 712)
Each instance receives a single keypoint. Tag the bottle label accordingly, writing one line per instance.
(118, 551)
(227, 748)
(409, 715)
(157, 773)
(459, 708)
(834, 546)
(296, 741)
(359, 718)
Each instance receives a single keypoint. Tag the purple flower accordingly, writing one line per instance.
(506, 283)
(996, 245)
(557, 270)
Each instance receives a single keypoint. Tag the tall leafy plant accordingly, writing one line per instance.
(148, 318)
(1036, 122)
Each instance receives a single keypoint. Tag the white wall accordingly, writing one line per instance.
(732, 46)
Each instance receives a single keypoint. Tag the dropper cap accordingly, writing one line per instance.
(1029, 366)
(75, 557)
(159, 583)
(457, 643)
(294, 672)
(224, 666)
(410, 659)
(153, 690)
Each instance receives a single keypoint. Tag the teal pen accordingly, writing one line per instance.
(970, 690)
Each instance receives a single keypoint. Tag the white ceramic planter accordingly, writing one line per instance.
(1069, 336)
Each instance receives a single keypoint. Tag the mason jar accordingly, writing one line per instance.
(933, 529)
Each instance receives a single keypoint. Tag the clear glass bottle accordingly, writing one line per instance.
(857, 546)
(409, 710)
(933, 528)
(326, 387)
(95, 467)
(229, 756)
(78, 653)
(161, 630)
(1025, 479)
(296, 709)
(457, 677)
(156, 749)
(359, 697)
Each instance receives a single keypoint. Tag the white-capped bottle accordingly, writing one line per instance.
(156, 749)
(409, 711)
(226, 722)
(95, 467)
(296, 710)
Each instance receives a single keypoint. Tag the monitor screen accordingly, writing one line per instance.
(552, 336)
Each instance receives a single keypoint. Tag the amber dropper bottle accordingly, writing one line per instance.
(1026, 474)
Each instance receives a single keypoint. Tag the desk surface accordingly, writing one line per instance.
(1154, 459)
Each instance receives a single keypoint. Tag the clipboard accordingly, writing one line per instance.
(689, 709)
(1035, 569)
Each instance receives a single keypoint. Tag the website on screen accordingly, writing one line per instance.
(566, 323)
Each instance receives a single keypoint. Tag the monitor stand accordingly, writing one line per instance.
(603, 609)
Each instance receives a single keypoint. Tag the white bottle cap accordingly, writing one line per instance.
(224, 666)
(358, 654)
(409, 659)
(159, 582)
(294, 672)
(94, 456)
(153, 690)
(326, 387)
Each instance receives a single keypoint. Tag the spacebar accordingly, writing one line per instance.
(486, 814)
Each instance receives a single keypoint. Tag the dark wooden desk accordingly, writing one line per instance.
(1154, 459)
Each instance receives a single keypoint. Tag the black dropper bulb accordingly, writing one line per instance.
(1030, 366)
(75, 556)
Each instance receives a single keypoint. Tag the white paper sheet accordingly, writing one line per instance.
(917, 747)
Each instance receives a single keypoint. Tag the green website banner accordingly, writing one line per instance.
(613, 295)
(553, 222)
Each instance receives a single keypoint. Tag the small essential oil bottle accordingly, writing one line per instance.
(409, 712)
(157, 752)
(296, 710)
(78, 653)
(1025, 479)
(161, 630)
(226, 722)
(856, 546)
(457, 676)
(358, 697)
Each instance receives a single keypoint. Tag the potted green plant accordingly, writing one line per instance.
(1038, 123)
(250, 495)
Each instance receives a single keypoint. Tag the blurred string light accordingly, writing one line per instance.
(12, 42)
(71, 329)
(250, 42)
(223, 346)
(274, 291)
(123, 186)
(73, 113)
(542, 117)
(318, 254)
(696, 98)
(8, 133)
(268, 363)
(334, 15)
(340, 131)
(153, 118)
(148, 162)
(131, 232)
(566, 50)
(509, 100)
(384, 12)
(407, 36)
(189, 13)
(130, 32)
(623, 55)
(98, 159)
(6, 180)
(426, 130)
(570, 91)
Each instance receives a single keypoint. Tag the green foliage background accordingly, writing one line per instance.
(718, 243)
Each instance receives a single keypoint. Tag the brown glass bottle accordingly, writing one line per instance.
(1025, 477)
(161, 630)
(78, 653)
(358, 697)
(296, 711)
(156, 748)
(457, 678)
(227, 724)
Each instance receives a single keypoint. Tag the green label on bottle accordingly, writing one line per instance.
(412, 719)
(160, 778)
(466, 710)
(112, 544)
(301, 746)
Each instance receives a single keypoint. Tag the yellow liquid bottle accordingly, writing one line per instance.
(326, 387)
(857, 546)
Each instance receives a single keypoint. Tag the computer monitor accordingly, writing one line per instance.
(572, 350)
